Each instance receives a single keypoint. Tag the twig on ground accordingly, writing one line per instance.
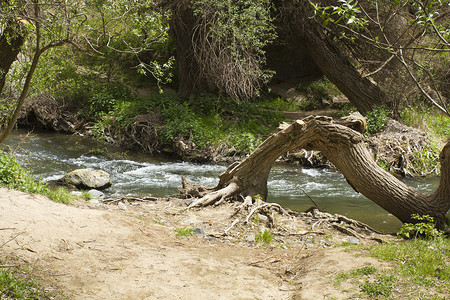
(281, 209)
(231, 226)
(12, 239)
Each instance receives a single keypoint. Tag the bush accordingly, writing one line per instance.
(376, 119)
(425, 229)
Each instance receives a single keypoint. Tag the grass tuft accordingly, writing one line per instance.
(185, 231)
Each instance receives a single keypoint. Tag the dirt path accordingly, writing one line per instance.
(101, 253)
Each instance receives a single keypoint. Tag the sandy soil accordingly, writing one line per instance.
(103, 252)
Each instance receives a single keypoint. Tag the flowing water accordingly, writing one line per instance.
(49, 156)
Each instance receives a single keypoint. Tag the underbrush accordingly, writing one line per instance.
(207, 121)
(13, 176)
(427, 119)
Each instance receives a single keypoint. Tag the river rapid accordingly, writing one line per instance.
(49, 156)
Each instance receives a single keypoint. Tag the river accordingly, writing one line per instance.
(49, 156)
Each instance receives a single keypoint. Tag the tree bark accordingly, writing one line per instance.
(11, 42)
(182, 23)
(344, 147)
(360, 91)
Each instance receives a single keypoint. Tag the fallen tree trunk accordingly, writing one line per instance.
(345, 148)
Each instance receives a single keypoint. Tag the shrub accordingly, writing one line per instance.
(425, 228)
(376, 119)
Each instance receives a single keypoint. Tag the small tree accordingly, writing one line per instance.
(95, 27)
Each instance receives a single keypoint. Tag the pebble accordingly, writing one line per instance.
(199, 230)
(250, 237)
(94, 201)
(96, 194)
(353, 240)
(77, 193)
(122, 206)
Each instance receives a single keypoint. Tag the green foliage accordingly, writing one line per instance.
(426, 161)
(264, 238)
(244, 142)
(278, 104)
(345, 108)
(13, 176)
(243, 24)
(347, 12)
(363, 271)
(86, 195)
(427, 119)
(316, 92)
(185, 231)
(207, 121)
(376, 119)
(14, 287)
(374, 286)
(230, 42)
(425, 229)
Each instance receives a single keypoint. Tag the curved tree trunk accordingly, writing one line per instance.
(345, 148)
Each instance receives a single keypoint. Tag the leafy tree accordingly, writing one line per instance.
(98, 27)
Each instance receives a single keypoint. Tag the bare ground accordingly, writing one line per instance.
(103, 252)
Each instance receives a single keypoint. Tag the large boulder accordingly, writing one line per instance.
(87, 179)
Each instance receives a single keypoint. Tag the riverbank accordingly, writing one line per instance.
(156, 249)
(50, 155)
(94, 251)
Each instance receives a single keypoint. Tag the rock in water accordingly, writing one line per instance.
(87, 179)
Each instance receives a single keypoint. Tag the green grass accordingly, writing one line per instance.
(419, 265)
(427, 119)
(364, 271)
(381, 286)
(184, 231)
(13, 176)
(425, 262)
(16, 284)
(264, 238)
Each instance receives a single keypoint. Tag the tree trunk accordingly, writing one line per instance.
(344, 147)
(182, 23)
(298, 23)
(360, 91)
(11, 41)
